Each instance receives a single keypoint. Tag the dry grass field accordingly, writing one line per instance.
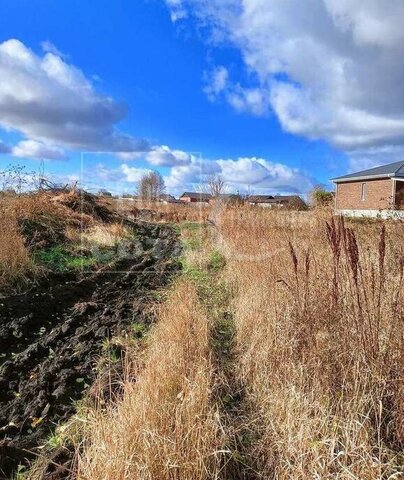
(310, 383)
(278, 353)
(319, 337)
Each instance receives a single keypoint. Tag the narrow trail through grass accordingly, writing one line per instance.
(228, 392)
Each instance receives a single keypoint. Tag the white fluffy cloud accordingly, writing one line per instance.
(38, 150)
(132, 174)
(243, 174)
(331, 69)
(191, 176)
(246, 174)
(123, 178)
(251, 100)
(163, 156)
(160, 156)
(51, 101)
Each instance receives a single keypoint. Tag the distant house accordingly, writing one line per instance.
(226, 198)
(195, 197)
(262, 200)
(374, 192)
(277, 201)
(167, 198)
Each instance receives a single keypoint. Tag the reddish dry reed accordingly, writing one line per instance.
(319, 314)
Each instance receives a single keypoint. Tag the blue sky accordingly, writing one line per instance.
(224, 87)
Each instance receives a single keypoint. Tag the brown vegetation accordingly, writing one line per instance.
(30, 222)
(318, 311)
(312, 336)
(165, 427)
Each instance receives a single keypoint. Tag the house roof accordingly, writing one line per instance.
(391, 170)
(166, 197)
(272, 199)
(197, 195)
(260, 198)
(225, 196)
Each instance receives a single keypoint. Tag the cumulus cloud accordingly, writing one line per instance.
(132, 174)
(259, 173)
(332, 70)
(51, 101)
(48, 47)
(250, 100)
(119, 179)
(191, 176)
(160, 156)
(243, 174)
(39, 150)
(163, 156)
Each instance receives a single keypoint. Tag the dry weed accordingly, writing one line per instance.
(165, 427)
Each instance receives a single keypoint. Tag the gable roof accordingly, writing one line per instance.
(197, 195)
(166, 197)
(391, 170)
(260, 198)
(273, 199)
(226, 196)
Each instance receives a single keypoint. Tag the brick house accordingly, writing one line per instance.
(277, 201)
(195, 197)
(374, 192)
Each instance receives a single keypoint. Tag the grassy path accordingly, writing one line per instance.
(229, 392)
(182, 414)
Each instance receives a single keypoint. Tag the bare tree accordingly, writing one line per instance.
(17, 179)
(151, 186)
(216, 185)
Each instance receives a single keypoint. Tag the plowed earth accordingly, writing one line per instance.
(52, 335)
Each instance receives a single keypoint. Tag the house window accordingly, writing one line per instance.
(363, 192)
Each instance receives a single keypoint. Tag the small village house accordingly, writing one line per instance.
(277, 201)
(195, 197)
(166, 198)
(374, 192)
(228, 198)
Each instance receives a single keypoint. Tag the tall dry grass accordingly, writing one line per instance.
(16, 264)
(166, 425)
(35, 220)
(171, 212)
(15, 261)
(319, 319)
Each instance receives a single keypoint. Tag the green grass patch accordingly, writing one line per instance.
(217, 261)
(59, 259)
(139, 329)
(191, 226)
(192, 235)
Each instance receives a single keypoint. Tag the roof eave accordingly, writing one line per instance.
(360, 178)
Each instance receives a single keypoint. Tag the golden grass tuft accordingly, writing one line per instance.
(103, 235)
(15, 261)
(166, 425)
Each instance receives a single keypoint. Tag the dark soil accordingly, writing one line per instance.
(51, 337)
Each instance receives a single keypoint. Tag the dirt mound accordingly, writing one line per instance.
(41, 232)
(51, 336)
(83, 203)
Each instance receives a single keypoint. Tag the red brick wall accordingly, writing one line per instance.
(378, 195)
